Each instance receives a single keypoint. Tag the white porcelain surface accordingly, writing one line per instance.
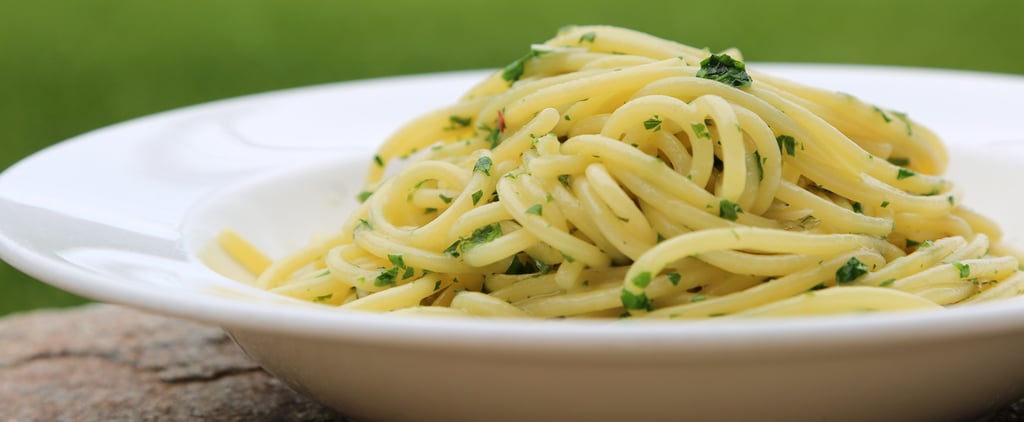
(121, 215)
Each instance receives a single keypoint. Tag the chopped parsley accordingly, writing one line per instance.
(654, 123)
(378, 160)
(851, 270)
(635, 301)
(476, 196)
(447, 199)
(884, 116)
(456, 122)
(729, 210)
(857, 208)
(642, 280)
(887, 283)
(323, 298)
(396, 260)
(906, 121)
(483, 165)
(904, 173)
(364, 195)
(697, 298)
(885, 204)
(724, 69)
(899, 161)
(568, 258)
(700, 130)
(386, 278)
(515, 70)
(964, 269)
(517, 266)
(587, 37)
(760, 166)
(535, 209)
(786, 144)
(563, 179)
(673, 278)
(480, 236)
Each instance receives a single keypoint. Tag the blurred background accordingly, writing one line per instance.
(70, 67)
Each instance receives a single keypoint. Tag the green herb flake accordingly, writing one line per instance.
(884, 204)
(673, 278)
(364, 195)
(437, 285)
(386, 278)
(912, 243)
(378, 160)
(882, 112)
(456, 122)
(453, 249)
(851, 270)
(517, 266)
(642, 280)
(906, 121)
(515, 70)
(857, 208)
(899, 161)
(563, 179)
(787, 144)
(724, 69)
(323, 298)
(447, 199)
(483, 165)
(729, 210)
(760, 166)
(587, 37)
(635, 301)
(396, 260)
(904, 173)
(429, 210)
(964, 269)
(568, 258)
(887, 283)
(700, 130)
(697, 298)
(654, 123)
(482, 235)
(535, 209)
(364, 224)
(476, 196)
(951, 200)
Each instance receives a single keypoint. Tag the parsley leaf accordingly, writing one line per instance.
(724, 69)
(904, 173)
(635, 301)
(674, 278)
(899, 161)
(642, 280)
(786, 144)
(536, 209)
(964, 269)
(729, 210)
(483, 165)
(851, 270)
(476, 196)
(654, 123)
(587, 37)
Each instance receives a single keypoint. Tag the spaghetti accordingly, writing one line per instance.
(611, 173)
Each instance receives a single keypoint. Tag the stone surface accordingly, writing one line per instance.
(109, 363)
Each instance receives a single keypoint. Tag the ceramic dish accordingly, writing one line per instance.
(123, 215)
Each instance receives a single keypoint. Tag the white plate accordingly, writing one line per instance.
(120, 215)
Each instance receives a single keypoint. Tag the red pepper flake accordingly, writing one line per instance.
(501, 122)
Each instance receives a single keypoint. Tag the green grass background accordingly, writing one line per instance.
(67, 67)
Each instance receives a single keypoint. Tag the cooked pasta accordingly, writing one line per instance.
(610, 173)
